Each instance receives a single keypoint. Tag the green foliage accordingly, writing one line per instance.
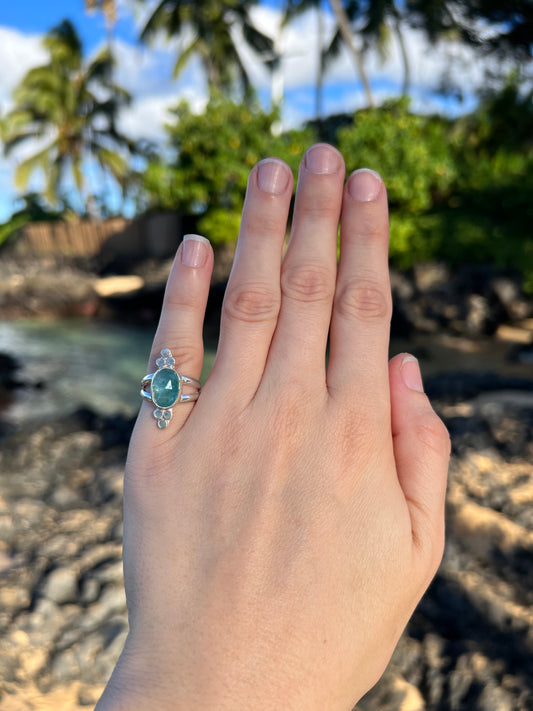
(409, 151)
(490, 212)
(214, 154)
(458, 191)
(412, 155)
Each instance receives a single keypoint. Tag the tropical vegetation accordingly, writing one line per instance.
(70, 107)
(459, 188)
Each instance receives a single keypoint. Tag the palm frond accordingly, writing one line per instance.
(258, 41)
(112, 162)
(77, 172)
(64, 45)
(40, 160)
(101, 67)
(167, 17)
(184, 57)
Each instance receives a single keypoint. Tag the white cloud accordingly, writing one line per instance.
(18, 54)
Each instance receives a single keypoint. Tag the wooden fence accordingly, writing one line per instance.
(154, 235)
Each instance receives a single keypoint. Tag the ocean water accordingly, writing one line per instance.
(76, 363)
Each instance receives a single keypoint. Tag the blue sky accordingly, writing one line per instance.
(146, 72)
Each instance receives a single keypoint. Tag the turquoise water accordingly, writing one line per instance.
(80, 364)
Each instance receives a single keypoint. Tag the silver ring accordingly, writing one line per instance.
(166, 388)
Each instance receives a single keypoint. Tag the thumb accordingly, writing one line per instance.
(422, 451)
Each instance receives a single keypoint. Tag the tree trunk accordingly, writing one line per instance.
(405, 56)
(346, 33)
(320, 68)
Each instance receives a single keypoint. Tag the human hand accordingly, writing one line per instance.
(279, 533)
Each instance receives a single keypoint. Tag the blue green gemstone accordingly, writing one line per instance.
(165, 387)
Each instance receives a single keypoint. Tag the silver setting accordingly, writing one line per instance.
(163, 415)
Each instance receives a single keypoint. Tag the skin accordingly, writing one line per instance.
(280, 532)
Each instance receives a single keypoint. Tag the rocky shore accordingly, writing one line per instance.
(468, 647)
(473, 300)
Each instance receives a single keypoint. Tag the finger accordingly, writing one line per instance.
(181, 323)
(252, 298)
(421, 450)
(360, 324)
(309, 268)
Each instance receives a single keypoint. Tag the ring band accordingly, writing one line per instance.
(166, 388)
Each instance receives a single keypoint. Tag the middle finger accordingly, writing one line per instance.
(309, 269)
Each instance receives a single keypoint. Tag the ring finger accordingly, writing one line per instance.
(181, 323)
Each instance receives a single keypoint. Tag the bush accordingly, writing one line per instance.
(412, 155)
(458, 191)
(213, 155)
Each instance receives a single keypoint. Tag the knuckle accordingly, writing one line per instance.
(316, 206)
(264, 223)
(181, 300)
(251, 303)
(364, 300)
(370, 231)
(431, 431)
(308, 284)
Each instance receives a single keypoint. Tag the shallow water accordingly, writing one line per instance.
(75, 363)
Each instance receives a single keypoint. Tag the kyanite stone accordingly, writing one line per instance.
(165, 387)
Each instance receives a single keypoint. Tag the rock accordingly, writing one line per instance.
(61, 586)
(495, 699)
(508, 290)
(478, 320)
(8, 368)
(522, 354)
(430, 276)
(14, 598)
(90, 590)
(34, 287)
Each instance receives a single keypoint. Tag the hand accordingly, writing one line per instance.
(279, 533)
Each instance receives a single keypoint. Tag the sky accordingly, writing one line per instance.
(146, 72)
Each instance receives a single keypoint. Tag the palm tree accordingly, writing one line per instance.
(344, 13)
(72, 106)
(298, 7)
(212, 23)
(379, 17)
(109, 8)
(345, 31)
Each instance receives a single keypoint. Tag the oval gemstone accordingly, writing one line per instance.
(165, 387)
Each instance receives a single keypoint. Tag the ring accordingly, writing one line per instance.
(166, 388)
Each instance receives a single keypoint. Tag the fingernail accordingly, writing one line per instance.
(322, 159)
(364, 185)
(410, 372)
(272, 176)
(194, 251)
